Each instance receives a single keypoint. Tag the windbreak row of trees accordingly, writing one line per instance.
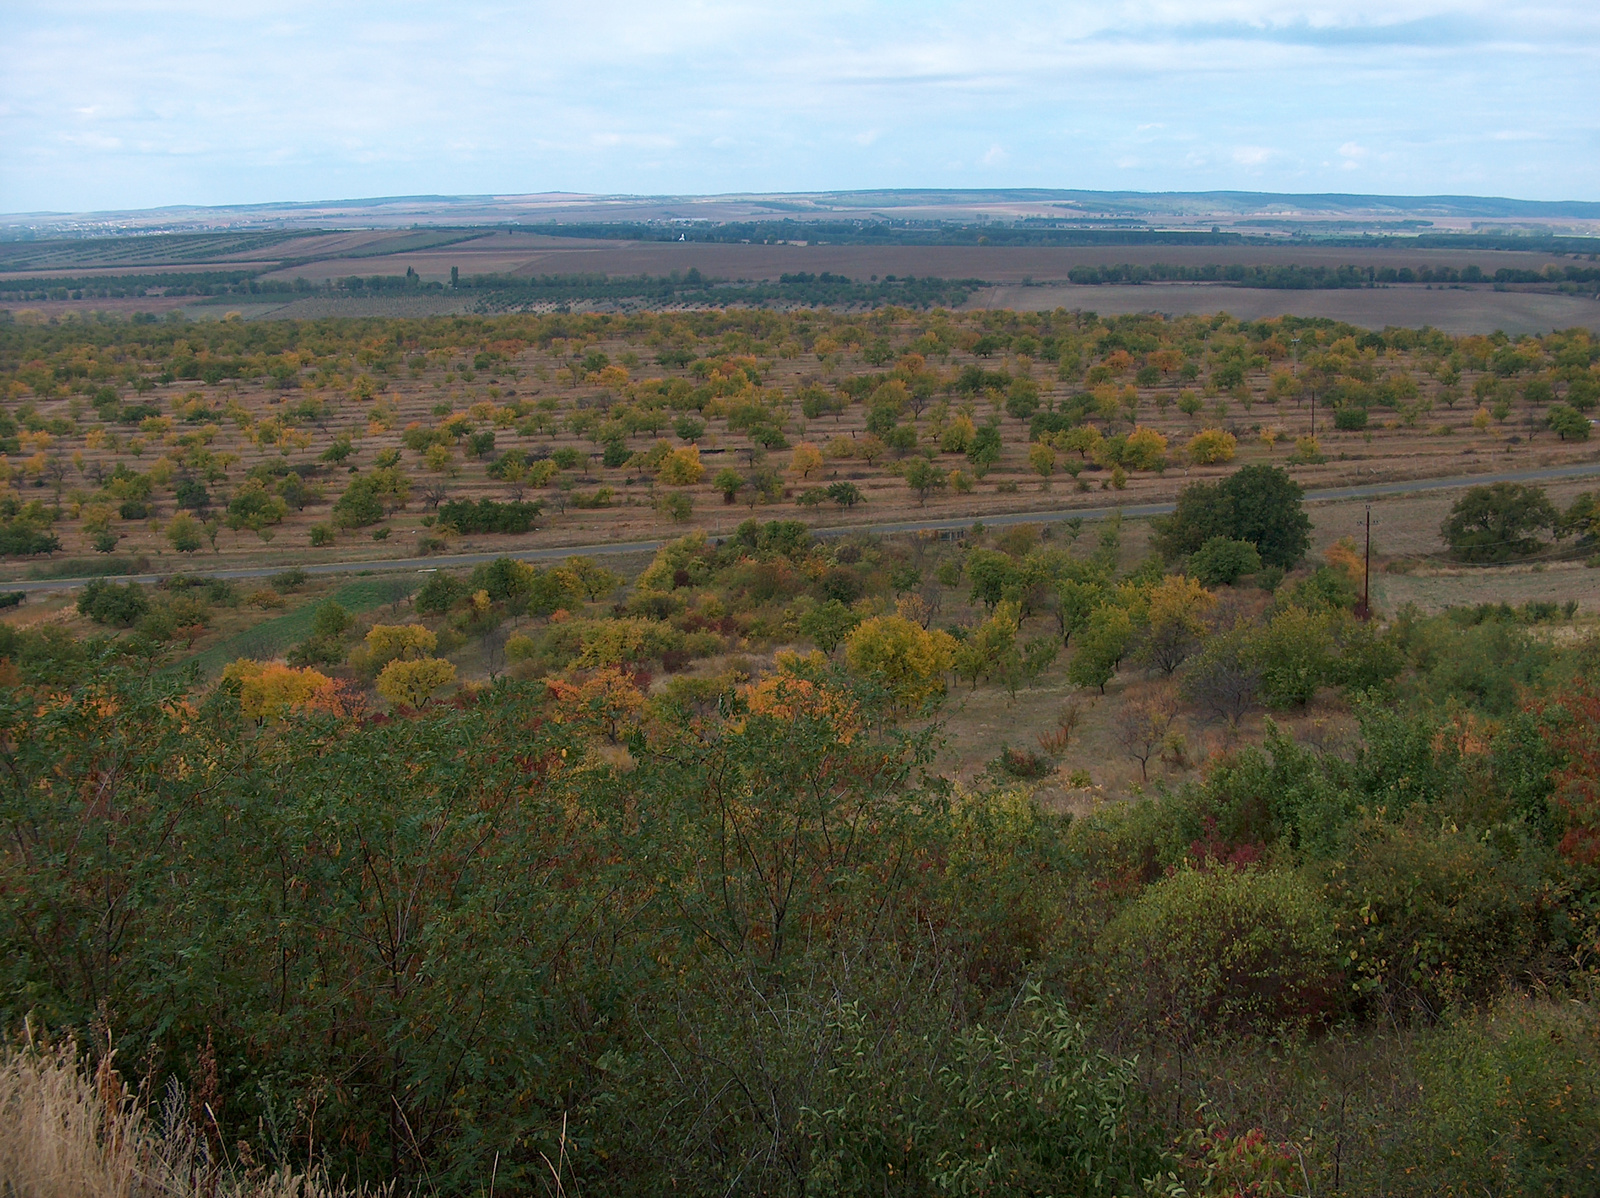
(505, 292)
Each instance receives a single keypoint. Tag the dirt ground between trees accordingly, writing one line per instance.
(1458, 312)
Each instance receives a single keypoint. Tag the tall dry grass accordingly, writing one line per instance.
(67, 1131)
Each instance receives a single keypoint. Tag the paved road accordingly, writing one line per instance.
(429, 564)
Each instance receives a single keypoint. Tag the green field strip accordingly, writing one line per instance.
(272, 638)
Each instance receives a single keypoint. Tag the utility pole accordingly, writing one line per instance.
(1366, 573)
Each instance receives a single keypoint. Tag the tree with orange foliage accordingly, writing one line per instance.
(608, 700)
(796, 692)
(1345, 555)
(807, 460)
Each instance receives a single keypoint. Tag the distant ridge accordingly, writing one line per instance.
(1168, 209)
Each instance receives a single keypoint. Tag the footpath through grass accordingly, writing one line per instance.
(272, 638)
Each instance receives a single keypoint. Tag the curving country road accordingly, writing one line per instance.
(429, 564)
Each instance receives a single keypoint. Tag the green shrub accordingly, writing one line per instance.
(1222, 561)
(112, 603)
(287, 581)
(1432, 916)
(1222, 951)
(1511, 1103)
(21, 540)
(488, 515)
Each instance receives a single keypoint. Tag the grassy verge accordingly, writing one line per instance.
(90, 567)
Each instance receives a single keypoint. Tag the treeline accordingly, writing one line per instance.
(120, 286)
(862, 232)
(1306, 278)
(804, 288)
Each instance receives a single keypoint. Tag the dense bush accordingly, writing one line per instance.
(22, 540)
(1221, 950)
(112, 603)
(1221, 561)
(488, 515)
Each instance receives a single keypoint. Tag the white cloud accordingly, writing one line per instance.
(637, 141)
(190, 101)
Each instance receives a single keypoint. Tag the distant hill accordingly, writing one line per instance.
(1255, 213)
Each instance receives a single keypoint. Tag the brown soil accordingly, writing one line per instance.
(1456, 311)
(533, 254)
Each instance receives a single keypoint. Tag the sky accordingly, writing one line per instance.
(117, 104)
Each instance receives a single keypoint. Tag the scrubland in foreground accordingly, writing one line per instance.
(683, 896)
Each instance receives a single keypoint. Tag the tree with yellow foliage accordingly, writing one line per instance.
(1211, 445)
(1175, 625)
(1145, 449)
(911, 661)
(396, 642)
(268, 691)
(958, 435)
(682, 467)
(807, 460)
(1042, 457)
(411, 683)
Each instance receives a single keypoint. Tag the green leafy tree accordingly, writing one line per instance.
(984, 452)
(1258, 504)
(252, 506)
(846, 495)
(993, 575)
(828, 623)
(113, 603)
(1294, 655)
(1568, 423)
(1102, 645)
(728, 481)
(990, 650)
(923, 477)
(1498, 522)
(184, 533)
